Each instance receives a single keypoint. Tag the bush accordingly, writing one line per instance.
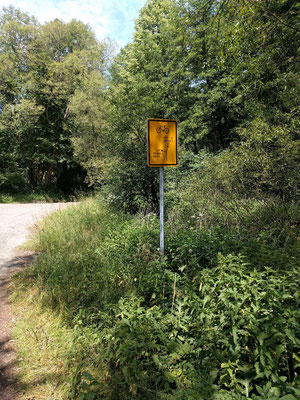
(132, 186)
(12, 181)
(230, 327)
(252, 186)
(195, 325)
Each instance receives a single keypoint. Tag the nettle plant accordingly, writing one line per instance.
(249, 326)
(229, 331)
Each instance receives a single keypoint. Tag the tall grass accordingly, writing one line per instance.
(42, 342)
(89, 256)
(215, 319)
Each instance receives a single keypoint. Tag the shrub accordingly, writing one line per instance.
(217, 318)
(13, 181)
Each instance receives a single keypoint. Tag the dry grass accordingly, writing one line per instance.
(42, 343)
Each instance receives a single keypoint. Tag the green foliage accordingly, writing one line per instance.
(253, 186)
(19, 195)
(228, 71)
(12, 181)
(46, 68)
(217, 318)
(220, 68)
(132, 189)
(226, 329)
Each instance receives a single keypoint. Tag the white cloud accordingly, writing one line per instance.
(108, 18)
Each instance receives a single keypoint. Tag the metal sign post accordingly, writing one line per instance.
(161, 211)
(162, 151)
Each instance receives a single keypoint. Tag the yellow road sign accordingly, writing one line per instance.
(162, 142)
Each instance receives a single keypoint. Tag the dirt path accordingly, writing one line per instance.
(15, 223)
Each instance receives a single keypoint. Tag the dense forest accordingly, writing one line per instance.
(227, 71)
(46, 72)
(217, 317)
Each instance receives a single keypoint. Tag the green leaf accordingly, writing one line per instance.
(279, 350)
(292, 337)
(126, 373)
(205, 300)
(259, 389)
(261, 337)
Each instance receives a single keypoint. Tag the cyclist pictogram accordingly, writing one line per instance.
(162, 129)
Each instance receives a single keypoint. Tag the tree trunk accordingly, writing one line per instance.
(49, 172)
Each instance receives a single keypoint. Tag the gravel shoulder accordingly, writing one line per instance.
(16, 222)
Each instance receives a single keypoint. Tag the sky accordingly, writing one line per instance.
(112, 19)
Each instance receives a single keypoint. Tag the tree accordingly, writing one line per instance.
(215, 66)
(140, 88)
(50, 63)
(17, 30)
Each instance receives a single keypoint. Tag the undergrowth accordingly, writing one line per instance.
(33, 196)
(217, 318)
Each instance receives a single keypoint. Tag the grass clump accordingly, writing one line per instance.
(86, 258)
(51, 354)
(215, 319)
(42, 342)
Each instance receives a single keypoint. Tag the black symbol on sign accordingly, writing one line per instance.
(162, 129)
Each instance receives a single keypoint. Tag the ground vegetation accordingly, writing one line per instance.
(217, 317)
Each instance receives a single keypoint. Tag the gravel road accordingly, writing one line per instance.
(15, 223)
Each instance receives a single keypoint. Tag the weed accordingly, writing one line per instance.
(216, 319)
